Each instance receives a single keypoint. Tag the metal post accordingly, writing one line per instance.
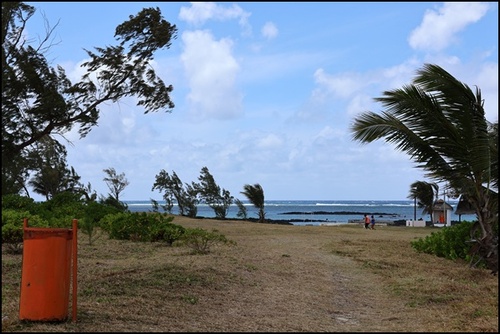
(75, 267)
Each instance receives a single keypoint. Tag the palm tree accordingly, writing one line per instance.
(255, 194)
(424, 193)
(440, 122)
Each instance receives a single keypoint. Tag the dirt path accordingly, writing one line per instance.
(275, 279)
(331, 295)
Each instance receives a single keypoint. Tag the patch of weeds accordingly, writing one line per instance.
(173, 276)
(425, 300)
(10, 264)
(103, 300)
(190, 299)
(87, 291)
(440, 299)
(250, 267)
(478, 313)
(412, 304)
(285, 255)
(398, 290)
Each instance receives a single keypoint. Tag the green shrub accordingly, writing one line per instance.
(13, 228)
(200, 240)
(167, 232)
(118, 225)
(142, 226)
(449, 242)
(18, 202)
(93, 213)
(64, 207)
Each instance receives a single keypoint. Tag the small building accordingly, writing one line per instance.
(464, 208)
(441, 213)
(415, 223)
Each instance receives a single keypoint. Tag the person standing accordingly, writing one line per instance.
(367, 221)
(372, 223)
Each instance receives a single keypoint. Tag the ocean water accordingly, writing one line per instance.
(312, 212)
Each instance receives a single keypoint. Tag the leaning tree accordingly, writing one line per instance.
(39, 100)
(424, 193)
(255, 195)
(440, 122)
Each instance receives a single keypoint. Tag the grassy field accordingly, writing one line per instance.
(276, 278)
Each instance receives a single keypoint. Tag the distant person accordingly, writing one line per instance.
(367, 221)
(372, 223)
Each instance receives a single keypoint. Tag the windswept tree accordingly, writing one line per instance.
(116, 182)
(255, 194)
(440, 123)
(173, 189)
(218, 199)
(53, 175)
(424, 194)
(242, 209)
(39, 100)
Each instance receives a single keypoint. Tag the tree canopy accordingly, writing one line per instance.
(255, 194)
(39, 100)
(440, 123)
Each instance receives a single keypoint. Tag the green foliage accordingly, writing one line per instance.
(424, 194)
(218, 199)
(13, 228)
(119, 226)
(185, 195)
(93, 213)
(115, 182)
(166, 231)
(40, 102)
(53, 175)
(242, 209)
(449, 242)
(113, 202)
(200, 240)
(440, 123)
(188, 196)
(142, 226)
(62, 209)
(255, 194)
(18, 202)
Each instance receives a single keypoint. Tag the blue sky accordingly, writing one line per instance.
(265, 92)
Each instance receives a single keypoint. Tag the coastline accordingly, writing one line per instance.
(314, 212)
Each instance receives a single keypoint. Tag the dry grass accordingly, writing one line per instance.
(277, 278)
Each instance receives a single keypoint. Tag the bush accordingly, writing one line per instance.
(13, 228)
(201, 240)
(142, 226)
(93, 213)
(64, 207)
(18, 202)
(167, 232)
(449, 242)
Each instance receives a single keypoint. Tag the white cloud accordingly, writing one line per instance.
(342, 85)
(360, 104)
(271, 141)
(487, 78)
(438, 28)
(201, 12)
(211, 71)
(293, 137)
(269, 30)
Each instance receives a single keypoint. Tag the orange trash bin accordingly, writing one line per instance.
(46, 272)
